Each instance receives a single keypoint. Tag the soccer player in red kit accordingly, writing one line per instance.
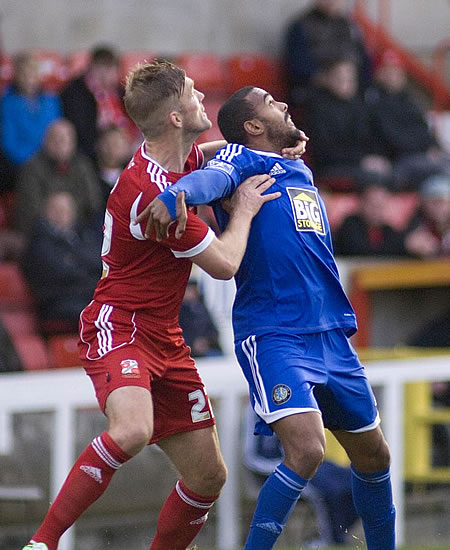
(130, 341)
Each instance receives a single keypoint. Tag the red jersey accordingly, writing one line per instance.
(139, 273)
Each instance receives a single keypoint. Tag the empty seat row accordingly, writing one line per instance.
(18, 317)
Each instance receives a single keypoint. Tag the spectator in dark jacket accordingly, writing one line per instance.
(366, 233)
(114, 150)
(322, 33)
(57, 167)
(94, 100)
(337, 122)
(62, 262)
(400, 126)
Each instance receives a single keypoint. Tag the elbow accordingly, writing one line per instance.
(224, 271)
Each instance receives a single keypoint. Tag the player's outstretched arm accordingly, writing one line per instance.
(200, 187)
(223, 256)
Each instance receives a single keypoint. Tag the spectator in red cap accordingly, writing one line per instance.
(400, 125)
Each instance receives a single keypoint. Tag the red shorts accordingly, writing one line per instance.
(120, 348)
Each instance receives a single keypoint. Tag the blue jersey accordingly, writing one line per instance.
(288, 281)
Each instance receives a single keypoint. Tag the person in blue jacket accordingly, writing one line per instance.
(26, 111)
(292, 320)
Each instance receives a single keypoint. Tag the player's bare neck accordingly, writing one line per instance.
(169, 153)
(260, 143)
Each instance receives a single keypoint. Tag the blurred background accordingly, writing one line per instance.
(369, 82)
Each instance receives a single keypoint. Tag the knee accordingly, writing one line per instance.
(209, 480)
(305, 457)
(132, 437)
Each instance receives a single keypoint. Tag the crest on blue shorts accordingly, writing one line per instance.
(281, 393)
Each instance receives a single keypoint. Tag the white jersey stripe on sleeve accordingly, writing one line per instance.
(197, 249)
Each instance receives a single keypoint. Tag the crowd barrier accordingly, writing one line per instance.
(65, 391)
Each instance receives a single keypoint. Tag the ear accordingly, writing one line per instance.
(254, 127)
(175, 119)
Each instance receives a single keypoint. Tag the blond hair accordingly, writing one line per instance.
(152, 90)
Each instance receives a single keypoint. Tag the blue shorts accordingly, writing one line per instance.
(289, 374)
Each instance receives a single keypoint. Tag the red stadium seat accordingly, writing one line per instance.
(31, 350)
(77, 63)
(53, 70)
(129, 60)
(6, 70)
(207, 70)
(19, 322)
(14, 291)
(63, 351)
(339, 206)
(253, 69)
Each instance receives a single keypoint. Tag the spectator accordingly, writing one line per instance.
(400, 126)
(337, 122)
(114, 150)
(367, 232)
(199, 331)
(325, 32)
(57, 167)
(61, 264)
(26, 111)
(94, 100)
(428, 235)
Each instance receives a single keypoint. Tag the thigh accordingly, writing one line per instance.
(129, 410)
(367, 451)
(180, 400)
(281, 372)
(346, 400)
(196, 456)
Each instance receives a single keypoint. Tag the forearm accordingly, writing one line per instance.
(224, 255)
(200, 187)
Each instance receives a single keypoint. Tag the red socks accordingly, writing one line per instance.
(183, 515)
(86, 482)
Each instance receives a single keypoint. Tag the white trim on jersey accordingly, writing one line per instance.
(104, 454)
(200, 247)
(135, 229)
(156, 176)
(266, 153)
(232, 150)
(249, 348)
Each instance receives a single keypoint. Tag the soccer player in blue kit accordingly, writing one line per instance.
(291, 320)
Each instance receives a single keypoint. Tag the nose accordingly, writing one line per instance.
(200, 95)
(283, 106)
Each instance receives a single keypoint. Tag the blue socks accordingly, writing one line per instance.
(372, 496)
(276, 501)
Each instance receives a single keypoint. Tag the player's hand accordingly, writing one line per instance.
(248, 197)
(158, 218)
(294, 153)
